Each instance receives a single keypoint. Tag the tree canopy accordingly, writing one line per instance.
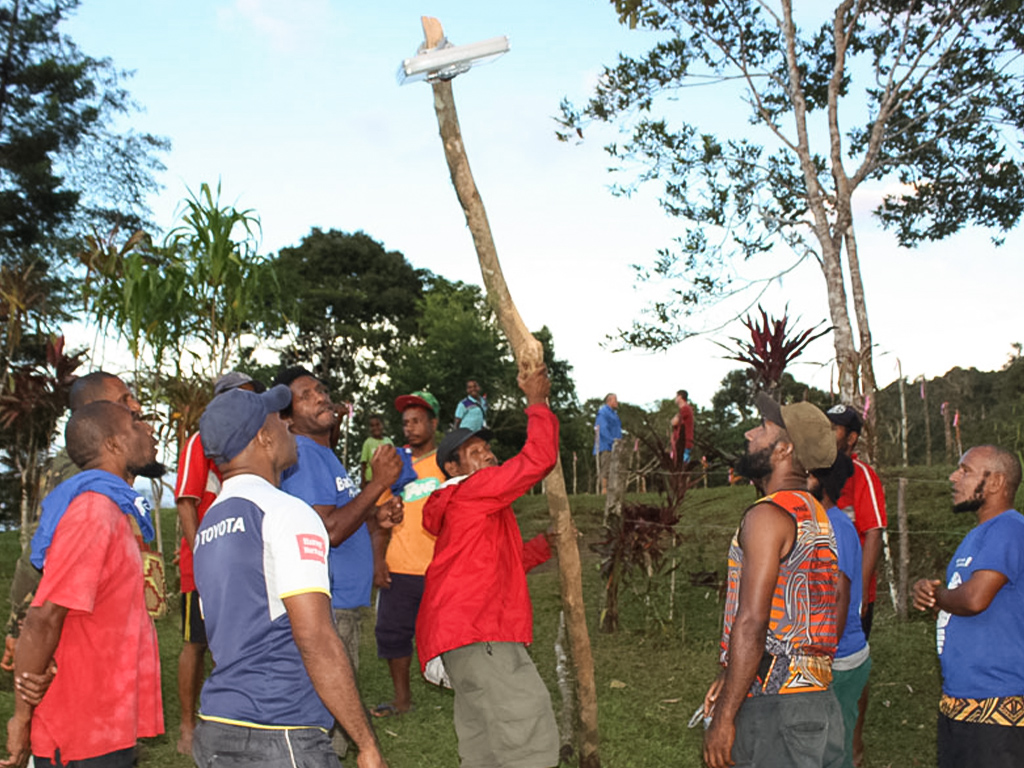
(64, 169)
(348, 303)
(925, 95)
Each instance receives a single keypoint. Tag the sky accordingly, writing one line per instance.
(294, 108)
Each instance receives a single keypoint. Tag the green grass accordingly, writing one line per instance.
(652, 674)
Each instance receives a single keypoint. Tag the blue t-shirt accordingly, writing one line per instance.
(255, 547)
(609, 427)
(983, 656)
(318, 478)
(472, 412)
(851, 563)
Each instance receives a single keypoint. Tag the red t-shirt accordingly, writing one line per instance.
(198, 478)
(106, 693)
(863, 501)
(682, 433)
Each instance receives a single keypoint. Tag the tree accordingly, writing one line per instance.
(64, 171)
(185, 305)
(456, 338)
(924, 93)
(63, 168)
(349, 303)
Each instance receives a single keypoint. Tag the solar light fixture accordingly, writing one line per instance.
(443, 61)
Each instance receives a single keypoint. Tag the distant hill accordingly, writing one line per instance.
(990, 403)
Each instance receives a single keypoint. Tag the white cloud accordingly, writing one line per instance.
(288, 27)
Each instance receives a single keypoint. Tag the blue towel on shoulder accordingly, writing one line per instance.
(57, 501)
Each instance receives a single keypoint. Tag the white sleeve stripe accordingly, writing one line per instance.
(871, 487)
(186, 462)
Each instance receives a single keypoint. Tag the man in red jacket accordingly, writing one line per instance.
(476, 612)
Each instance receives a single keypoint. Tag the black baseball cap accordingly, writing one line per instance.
(845, 416)
(448, 449)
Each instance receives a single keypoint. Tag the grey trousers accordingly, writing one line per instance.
(796, 730)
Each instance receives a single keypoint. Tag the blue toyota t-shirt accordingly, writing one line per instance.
(255, 548)
(983, 656)
(851, 564)
(320, 479)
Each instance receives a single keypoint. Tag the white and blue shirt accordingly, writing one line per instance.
(319, 478)
(255, 547)
(983, 656)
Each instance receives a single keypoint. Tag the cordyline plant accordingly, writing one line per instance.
(771, 347)
(32, 400)
(635, 543)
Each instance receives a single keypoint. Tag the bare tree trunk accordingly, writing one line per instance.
(867, 368)
(927, 423)
(903, 415)
(947, 425)
(824, 212)
(904, 577)
(529, 355)
(847, 357)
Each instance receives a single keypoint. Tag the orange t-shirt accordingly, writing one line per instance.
(411, 548)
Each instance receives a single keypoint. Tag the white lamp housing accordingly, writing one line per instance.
(446, 60)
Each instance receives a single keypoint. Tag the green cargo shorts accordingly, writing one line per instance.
(503, 714)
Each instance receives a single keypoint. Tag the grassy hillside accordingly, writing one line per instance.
(652, 674)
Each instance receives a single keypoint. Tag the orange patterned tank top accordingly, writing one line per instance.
(801, 638)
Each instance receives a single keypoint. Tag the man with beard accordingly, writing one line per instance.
(980, 628)
(89, 614)
(771, 705)
(90, 388)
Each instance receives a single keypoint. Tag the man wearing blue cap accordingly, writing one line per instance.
(281, 677)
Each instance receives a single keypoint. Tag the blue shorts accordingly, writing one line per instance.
(396, 615)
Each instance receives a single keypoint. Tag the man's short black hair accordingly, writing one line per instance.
(683, 394)
(89, 426)
(89, 388)
(1006, 463)
(289, 375)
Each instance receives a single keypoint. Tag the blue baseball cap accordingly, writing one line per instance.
(233, 418)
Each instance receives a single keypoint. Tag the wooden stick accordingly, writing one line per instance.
(529, 355)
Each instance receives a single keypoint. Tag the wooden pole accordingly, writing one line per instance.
(529, 355)
(904, 577)
(947, 425)
(927, 423)
(903, 412)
